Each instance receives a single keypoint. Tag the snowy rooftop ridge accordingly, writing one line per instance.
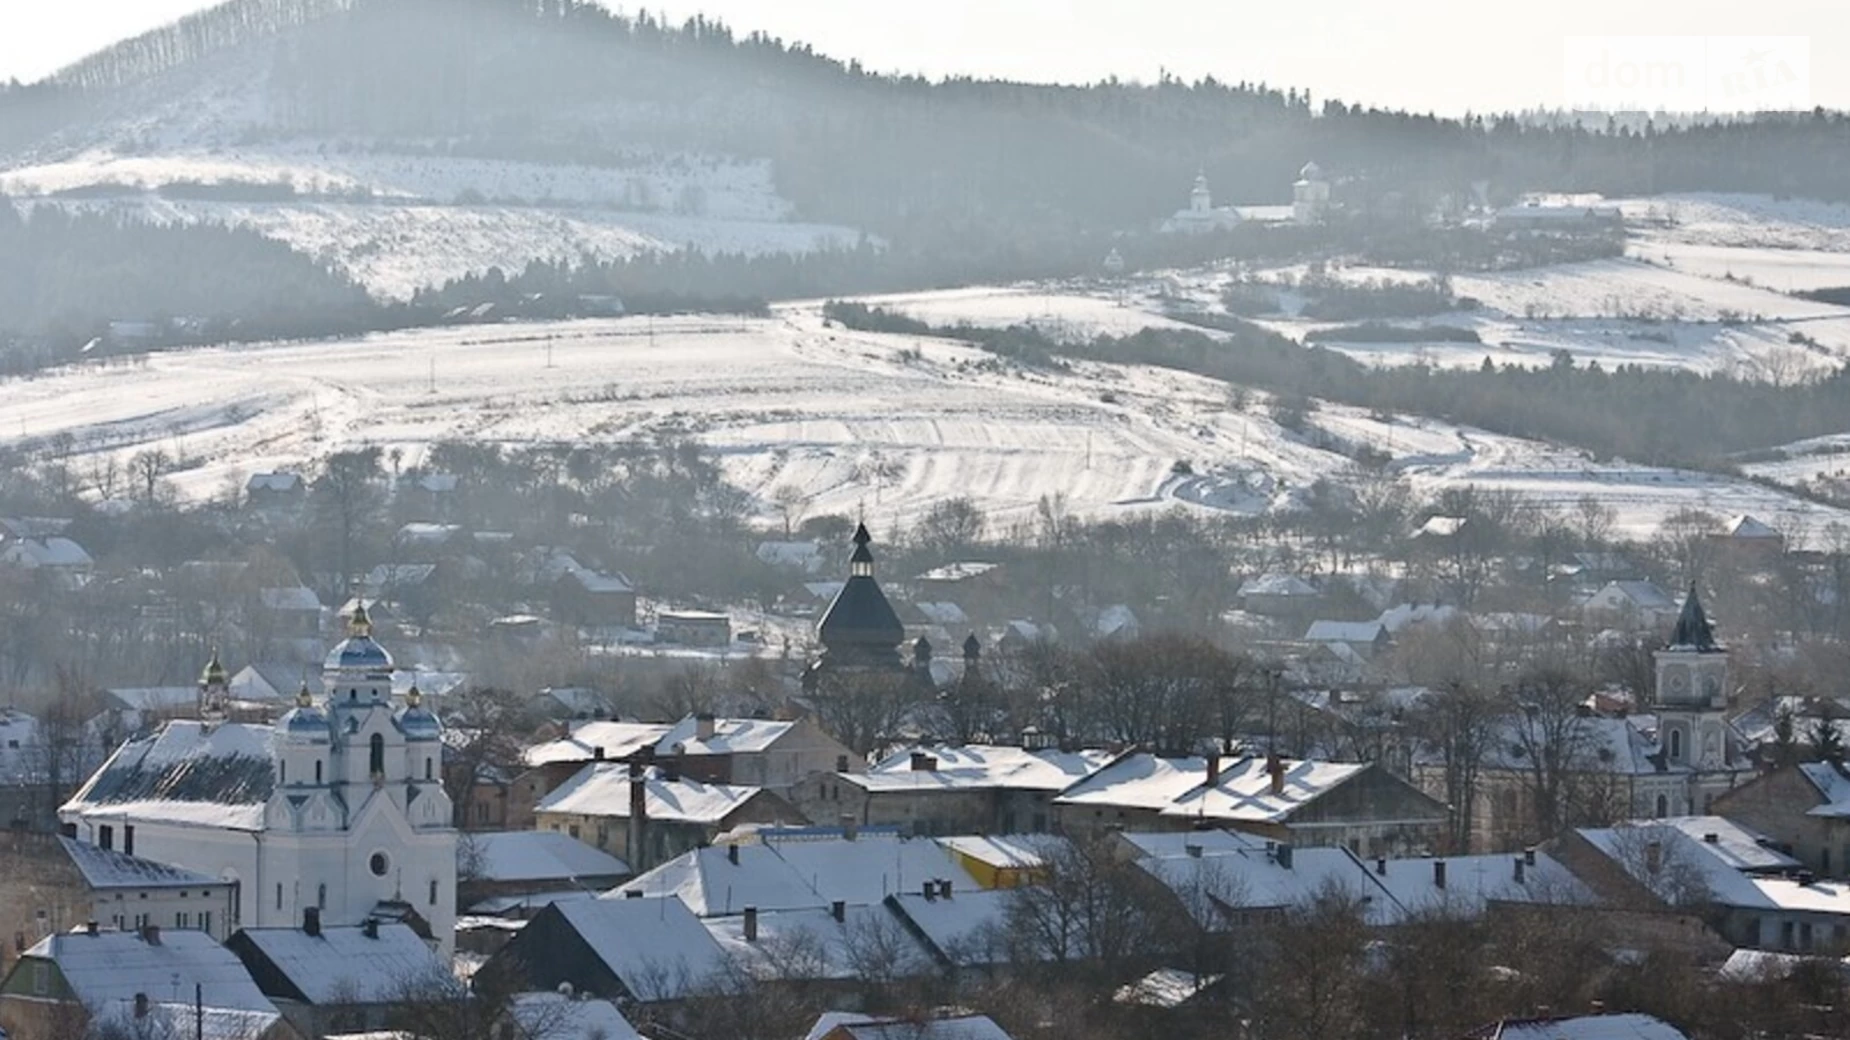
(603, 789)
(187, 772)
(105, 869)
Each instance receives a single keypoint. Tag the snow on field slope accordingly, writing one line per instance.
(886, 424)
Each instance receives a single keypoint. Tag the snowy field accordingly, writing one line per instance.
(428, 219)
(888, 425)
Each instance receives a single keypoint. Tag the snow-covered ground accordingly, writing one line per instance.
(429, 219)
(888, 425)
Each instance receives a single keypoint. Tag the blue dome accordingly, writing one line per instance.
(304, 724)
(419, 724)
(359, 654)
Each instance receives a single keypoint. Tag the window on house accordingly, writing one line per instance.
(317, 770)
(1663, 806)
(128, 839)
(1676, 745)
(279, 895)
(428, 769)
(376, 761)
(433, 891)
(1805, 935)
(572, 830)
(1785, 935)
(179, 919)
(321, 896)
(105, 837)
(205, 920)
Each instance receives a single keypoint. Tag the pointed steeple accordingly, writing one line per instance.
(973, 647)
(1693, 631)
(861, 564)
(860, 622)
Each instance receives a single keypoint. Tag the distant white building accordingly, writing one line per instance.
(1201, 216)
(1310, 195)
(338, 807)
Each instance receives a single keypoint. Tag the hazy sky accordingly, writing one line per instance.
(1441, 55)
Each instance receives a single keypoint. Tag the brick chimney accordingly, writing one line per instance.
(750, 924)
(839, 910)
(1519, 870)
(639, 817)
(1275, 768)
(1213, 769)
(311, 921)
(1438, 873)
(705, 725)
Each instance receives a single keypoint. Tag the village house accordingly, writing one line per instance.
(278, 492)
(964, 789)
(50, 883)
(800, 868)
(342, 979)
(646, 952)
(95, 976)
(1361, 807)
(1632, 604)
(1277, 595)
(1804, 808)
(588, 599)
(646, 815)
(693, 628)
(565, 1016)
(499, 871)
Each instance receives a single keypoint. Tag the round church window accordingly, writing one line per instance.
(379, 864)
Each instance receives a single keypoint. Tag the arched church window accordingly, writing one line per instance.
(376, 764)
(1663, 806)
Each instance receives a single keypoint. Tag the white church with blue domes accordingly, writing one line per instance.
(339, 806)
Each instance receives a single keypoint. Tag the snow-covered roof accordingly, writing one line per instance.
(187, 773)
(296, 597)
(1164, 988)
(1283, 585)
(1171, 844)
(105, 869)
(273, 482)
(601, 584)
(420, 532)
(967, 930)
(1833, 786)
(982, 766)
(1641, 595)
(48, 552)
(656, 947)
(942, 613)
(617, 739)
(1737, 846)
(1473, 882)
(179, 1020)
(1397, 618)
(792, 873)
(555, 1016)
(1344, 632)
(1142, 780)
(1209, 885)
(1243, 790)
(154, 698)
(730, 737)
(603, 789)
(961, 571)
(538, 856)
(1813, 897)
(868, 1027)
(1116, 619)
(1586, 1027)
(810, 944)
(114, 965)
(805, 556)
(1745, 526)
(1441, 526)
(345, 965)
(1004, 852)
(1686, 868)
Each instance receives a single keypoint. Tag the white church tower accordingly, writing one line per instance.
(1697, 753)
(1310, 195)
(336, 812)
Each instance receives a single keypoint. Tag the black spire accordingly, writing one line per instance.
(860, 621)
(973, 647)
(1693, 631)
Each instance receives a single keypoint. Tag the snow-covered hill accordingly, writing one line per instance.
(888, 425)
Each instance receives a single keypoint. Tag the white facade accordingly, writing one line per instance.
(351, 813)
(1202, 215)
(1310, 195)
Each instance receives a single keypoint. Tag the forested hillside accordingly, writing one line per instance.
(902, 157)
